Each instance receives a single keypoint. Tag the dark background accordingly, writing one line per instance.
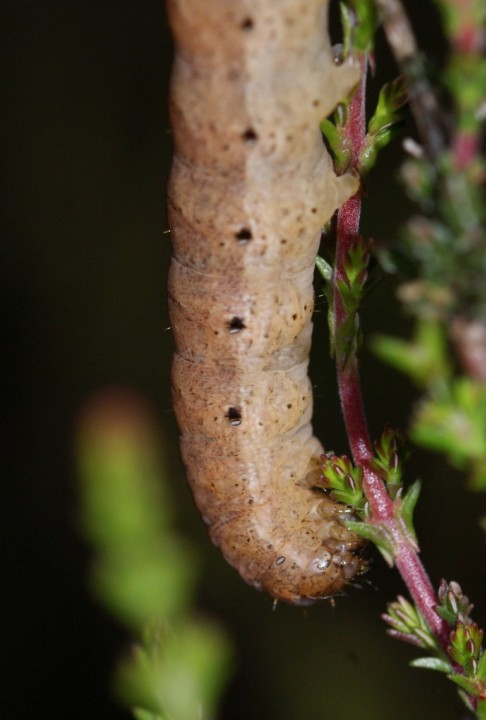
(85, 156)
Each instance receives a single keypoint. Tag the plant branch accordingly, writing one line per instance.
(383, 510)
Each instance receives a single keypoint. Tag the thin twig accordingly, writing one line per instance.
(409, 59)
(382, 508)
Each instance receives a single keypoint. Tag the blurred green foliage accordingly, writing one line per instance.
(451, 416)
(142, 570)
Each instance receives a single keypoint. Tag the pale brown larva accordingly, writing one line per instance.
(250, 188)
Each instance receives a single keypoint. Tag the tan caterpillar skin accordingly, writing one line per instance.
(251, 187)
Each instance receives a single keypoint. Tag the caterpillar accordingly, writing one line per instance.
(250, 188)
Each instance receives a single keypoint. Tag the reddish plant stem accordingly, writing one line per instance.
(465, 148)
(347, 230)
(382, 508)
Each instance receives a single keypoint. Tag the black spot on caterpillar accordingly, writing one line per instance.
(251, 186)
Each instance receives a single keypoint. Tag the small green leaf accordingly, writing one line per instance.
(331, 134)
(466, 700)
(465, 645)
(453, 604)
(361, 24)
(324, 268)
(455, 424)
(375, 534)
(347, 339)
(425, 359)
(338, 142)
(356, 265)
(388, 461)
(464, 683)
(348, 295)
(405, 509)
(392, 97)
(408, 624)
(402, 355)
(343, 480)
(402, 615)
(432, 663)
(347, 26)
(383, 126)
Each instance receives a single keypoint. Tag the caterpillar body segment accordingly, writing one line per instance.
(251, 187)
